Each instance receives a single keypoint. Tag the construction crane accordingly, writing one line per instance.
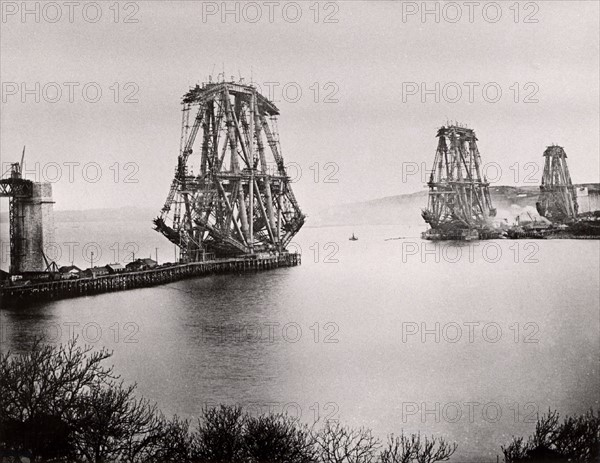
(235, 197)
(558, 199)
(459, 204)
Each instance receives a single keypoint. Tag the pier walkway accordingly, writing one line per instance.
(61, 289)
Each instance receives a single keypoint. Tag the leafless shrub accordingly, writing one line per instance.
(174, 443)
(40, 397)
(415, 449)
(578, 438)
(278, 439)
(433, 450)
(400, 449)
(575, 439)
(515, 451)
(219, 437)
(113, 425)
(61, 404)
(545, 430)
(340, 444)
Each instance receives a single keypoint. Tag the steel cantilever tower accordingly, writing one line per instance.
(235, 197)
(558, 200)
(459, 204)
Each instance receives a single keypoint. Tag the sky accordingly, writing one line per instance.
(362, 88)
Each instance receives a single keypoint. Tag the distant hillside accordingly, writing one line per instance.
(406, 209)
(384, 211)
(391, 210)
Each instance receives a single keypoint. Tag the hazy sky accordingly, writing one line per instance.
(369, 57)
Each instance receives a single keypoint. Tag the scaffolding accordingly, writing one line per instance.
(459, 204)
(236, 199)
(558, 198)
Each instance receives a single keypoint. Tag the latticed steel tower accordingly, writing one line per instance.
(236, 198)
(459, 197)
(558, 199)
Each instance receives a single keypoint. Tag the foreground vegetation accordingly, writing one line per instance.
(576, 439)
(62, 404)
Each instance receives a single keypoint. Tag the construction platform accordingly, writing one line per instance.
(458, 234)
(62, 289)
(581, 229)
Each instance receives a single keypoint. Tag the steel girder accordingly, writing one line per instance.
(458, 193)
(235, 197)
(558, 199)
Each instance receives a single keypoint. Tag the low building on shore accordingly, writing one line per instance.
(141, 264)
(70, 269)
(95, 272)
(115, 268)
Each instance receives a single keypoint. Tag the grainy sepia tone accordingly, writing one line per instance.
(299, 231)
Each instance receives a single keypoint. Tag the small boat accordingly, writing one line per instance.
(353, 238)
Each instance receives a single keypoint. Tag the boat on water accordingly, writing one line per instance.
(353, 238)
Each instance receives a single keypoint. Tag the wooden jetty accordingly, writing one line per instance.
(62, 289)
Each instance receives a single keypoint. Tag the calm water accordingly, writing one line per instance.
(340, 336)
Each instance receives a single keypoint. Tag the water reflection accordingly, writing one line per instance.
(331, 338)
